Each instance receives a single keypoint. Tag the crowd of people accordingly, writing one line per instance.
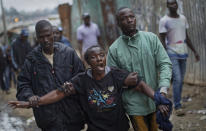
(132, 78)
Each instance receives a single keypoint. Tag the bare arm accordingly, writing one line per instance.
(162, 37)
(144, 88)
(49, 98)
(189, 43)
(80, 42)
(141, 86)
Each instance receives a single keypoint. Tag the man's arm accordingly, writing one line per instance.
(78, 66)
(15, 65)
(24, 83)
(162, 39)
(144, 88)
(80, 44)
(163, 63)
(56, 95)
(189, 43)
(111, 59)
(141, 86)
(49, 98)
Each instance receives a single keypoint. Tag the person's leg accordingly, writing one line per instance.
(144, 123)
(7, 76)
(138, 123)
(153, 123)
(183, 70)
(177, 82)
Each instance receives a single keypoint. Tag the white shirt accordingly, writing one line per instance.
(175, 28)
(88, 34)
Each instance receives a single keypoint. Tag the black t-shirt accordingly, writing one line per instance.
(101, 100)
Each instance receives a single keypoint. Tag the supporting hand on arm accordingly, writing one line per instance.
(141, 86)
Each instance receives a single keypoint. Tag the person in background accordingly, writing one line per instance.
(142, 52)
(88, 34)
(61, 38)
(173, 34)
(19, 50)
(7, 73)
(2, 67)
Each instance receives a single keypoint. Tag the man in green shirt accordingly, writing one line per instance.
(142, 52)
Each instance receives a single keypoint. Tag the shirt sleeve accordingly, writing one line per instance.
(24, 85)
(77, 84)
(111, 59)
(79, 34)
(162, 26)
(119, 76)
(97, 31)
(78, 66)
(186, 23)
(163, 63)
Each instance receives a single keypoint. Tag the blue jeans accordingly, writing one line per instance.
(6, 79)
(178, 73)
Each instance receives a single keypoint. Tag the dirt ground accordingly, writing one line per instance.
(194, 100)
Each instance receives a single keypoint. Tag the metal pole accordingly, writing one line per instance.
(4, 24)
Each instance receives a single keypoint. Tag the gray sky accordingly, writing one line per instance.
(32, 5)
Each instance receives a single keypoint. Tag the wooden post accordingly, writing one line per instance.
(4, 24)
(65, 17)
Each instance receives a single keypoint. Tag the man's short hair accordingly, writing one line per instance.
(86, 15)
(88, 51)
(171, 1)
(41, 24)
(118, 11)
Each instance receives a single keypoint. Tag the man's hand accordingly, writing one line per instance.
(68, 88)
(34, 101)
(18, 104)
(164, 109)
(131, 79)
(163, 94)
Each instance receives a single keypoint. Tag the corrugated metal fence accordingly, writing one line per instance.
(195, 12)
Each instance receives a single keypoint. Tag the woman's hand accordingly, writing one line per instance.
(18, 104)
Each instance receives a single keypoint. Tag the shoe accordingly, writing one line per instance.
(179, 112)
(183, 106)
(7, 92)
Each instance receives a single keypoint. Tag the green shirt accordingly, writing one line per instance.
(142, 53)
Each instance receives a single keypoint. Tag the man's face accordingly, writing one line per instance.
(23, 38)
(97, 60)
(172, 5)
(56, 34)
(87, 21)
(45, 38)
(127, 20)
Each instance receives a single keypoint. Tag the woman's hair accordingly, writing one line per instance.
(88, 52)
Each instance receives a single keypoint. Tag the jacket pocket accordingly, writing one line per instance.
(44, 115)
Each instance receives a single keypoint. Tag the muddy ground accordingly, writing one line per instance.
(194, 101)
